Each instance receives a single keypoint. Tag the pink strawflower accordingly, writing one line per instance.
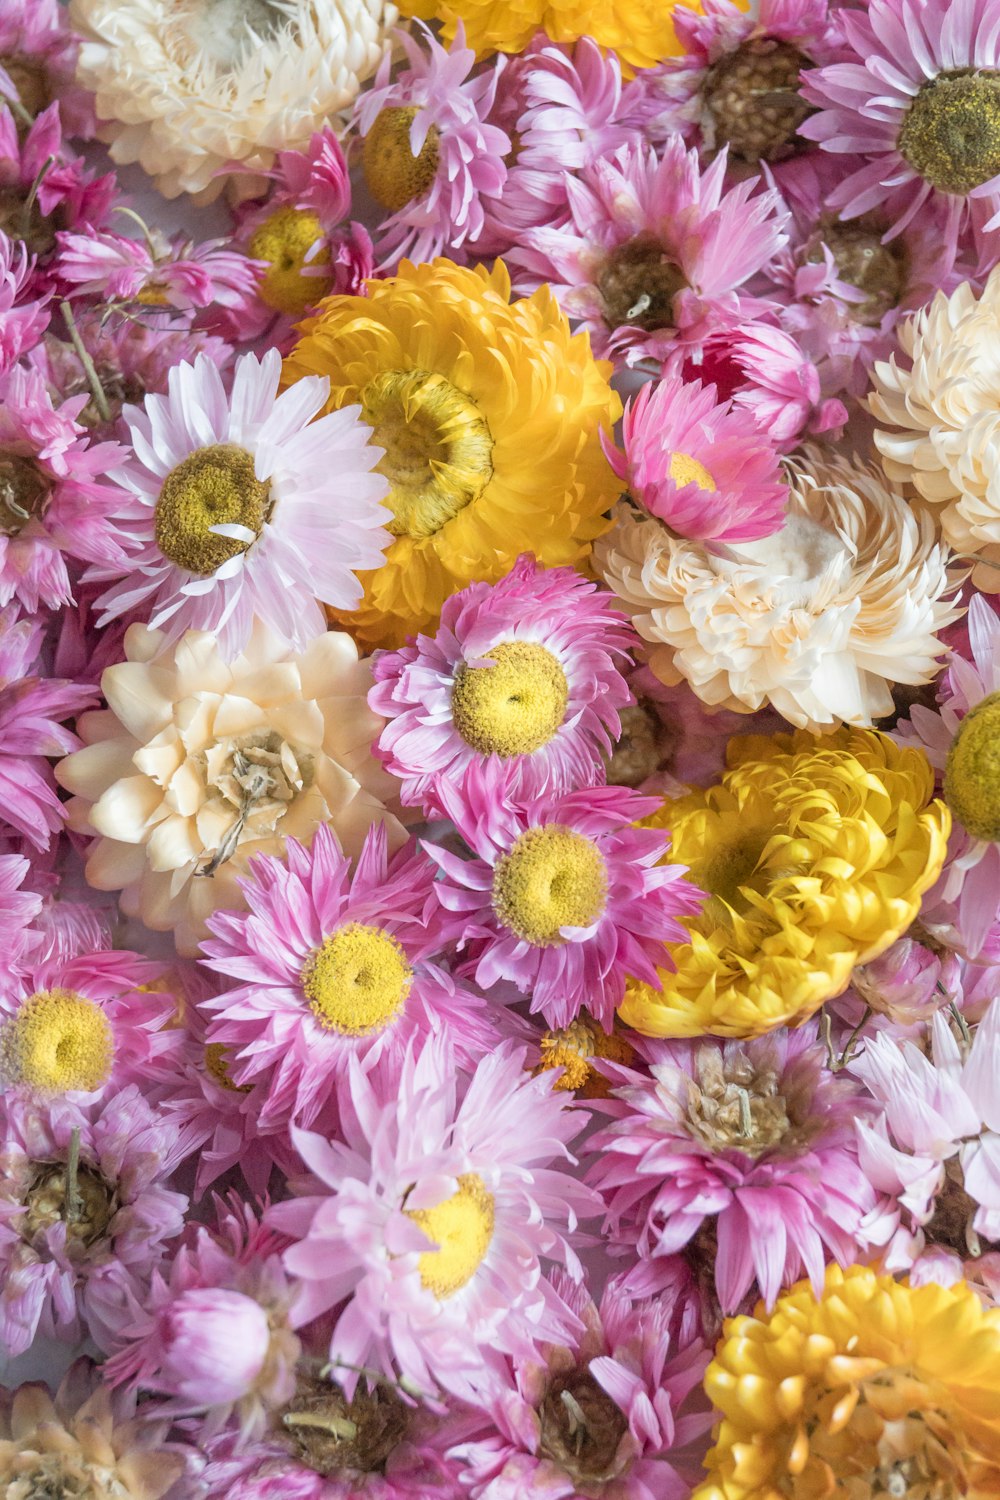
(632, 1387)
(692, 462)
(302, 505)
(752, 1141)
(914, 98)
(67, 1268)
(24, 317)
(157, 273)
(558, 648)
(434, 1219)
(564, 895)
(46, 187)
(39, 54)
(656, 253)
(18, 911)
(334, 964)
(908, 982)
(452, 105)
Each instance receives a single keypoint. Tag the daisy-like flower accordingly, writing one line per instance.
(916, 94)
(490, 414)
(528, 669)
(334, 963)
(656, 252)
(671, 432)
(197, 764)
(748, 1147)
(84, 1215)
(815, 852)
(208, 91)
(433, 1219)
(83, 1441)
(39, 54)
(23, 316)
(174, 274)
(45, 186)
(564, 895)
(869, 1387)
(854, 578)
(232, 514)
(430, 155)
(607, 1417)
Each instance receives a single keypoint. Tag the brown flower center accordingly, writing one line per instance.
(954, 1209)
(736, 1102)
(394, 175)
(80, 1197)
(753, 100)
(951, 131)
(252, 778)
(24, 492)
(30, 77)
(330, 1434)
(641, 749)
(582, 1429)
(21, 219)
(878, 270)
(638, 283)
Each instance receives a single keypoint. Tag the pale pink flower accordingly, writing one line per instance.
(908, 982)
(175, 274)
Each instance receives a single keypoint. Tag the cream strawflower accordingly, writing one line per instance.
(817, 620)
(198, 764)
(192, 88)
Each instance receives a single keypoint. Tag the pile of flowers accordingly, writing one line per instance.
(499, 749)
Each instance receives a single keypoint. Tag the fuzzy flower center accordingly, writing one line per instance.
(438, 448)
(581, 1428)
(21, 218)
(514, 707)
(331, 1435)
(951, 131)
(24, 493)
(687, 470)
(972, 770)
(58, 1041)
(880, 271)
(77, 1195)
(643, 747)
(357, 980)
(735, 1102)
(638, 283)
(753, 99)
(951, 1223)
(283, 242)
(573, 1049)
(551, 879)
(728, 868)
(393, 174)
(31, 79)
(213, 488)
(462, 1227)
(216, 1064)
(225, 32)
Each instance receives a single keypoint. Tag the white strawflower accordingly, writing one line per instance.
(189, 88)
(817, 619)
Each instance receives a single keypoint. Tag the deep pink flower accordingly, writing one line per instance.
(170, 274)
(18, 910)
(39, 53)
(24, 317)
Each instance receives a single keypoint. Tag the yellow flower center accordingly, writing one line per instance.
(972, 771)
(24, 492)
(357, 981)
(951, 131)
(573, 1048)
(214, 486)
(552, 878)
(215, 1063)
(687, 470)
(438, 448)
(728, 866)
(59, 1041)
(283, 241)
(514, 707)
(393, 174)
(462, 1228)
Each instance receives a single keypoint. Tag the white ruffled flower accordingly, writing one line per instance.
(192, 88)
(817, 620)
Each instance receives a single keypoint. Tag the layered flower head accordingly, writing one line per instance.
(818, 619)
(815, 852)
(197, 764)
(39, 54)
(232, 514)
(489, 414)
(46, 186)
(528, 669)
(868, 1387)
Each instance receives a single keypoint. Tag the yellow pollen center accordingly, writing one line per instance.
(514, 707)
(462, 1228)
(283, 242)
(393, 174)
(552, 878)
(438, 448)
(357, 980)
(215, 1063)
(687, 470)
(573, 1049)
(214, 486)
(972, 771)
(58, 1041)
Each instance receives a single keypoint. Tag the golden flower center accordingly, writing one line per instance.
(951, 131)
(214, 486)
(24, 492)
(552, 878)
(581, 1428)
(687, 470)
(393, 174)
(58, 1041)
(357, 980)
(862, 260)
(514, 707)
(331, 1435)
(972, 770)
(753, 99)
(638, 283)
(573, 1049)
(728, 866)
(438, 448)
(462, 1227)
(217, 1066)
(86, 1205)
(283, 242)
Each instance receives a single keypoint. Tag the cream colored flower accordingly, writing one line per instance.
(818, 619)
(190, 88)
(196, 765)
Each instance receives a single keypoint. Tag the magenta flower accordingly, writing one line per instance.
(24, 316)
(181, 275)
(18, 911)
(39, 54)
(528, 669)
(671, 432)
(564, 896)
(40, 178)
(432, 1220)
(333, 964)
